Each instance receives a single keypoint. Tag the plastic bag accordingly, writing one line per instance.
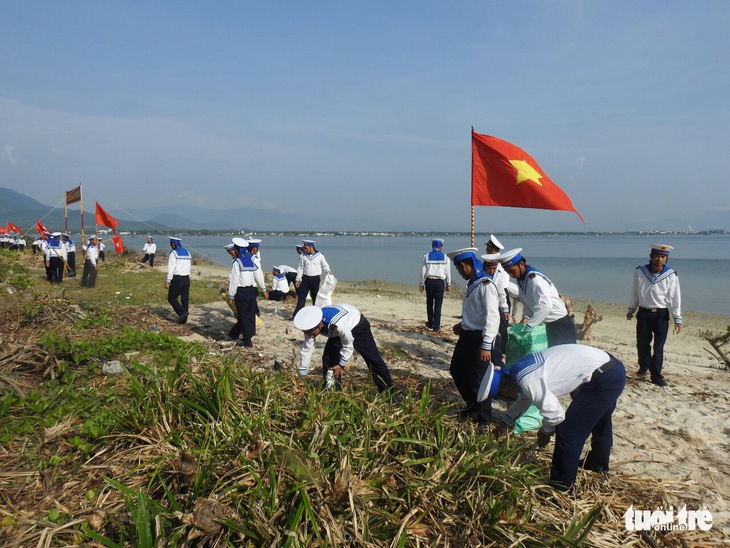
(522, 341)
(324, 295)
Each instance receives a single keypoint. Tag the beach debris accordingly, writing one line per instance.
(113, 367)
(590, 318)
(718, 342)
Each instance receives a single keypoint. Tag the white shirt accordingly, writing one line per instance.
(504, 286)
(311, 265)
(244, 278)
(555, 372)
(650, 290)
(341, 326)
(59, 251)
(149, 248)
(480, 310)
(540, 299)
(92, 254)
(280, 284)
(285, 269)
(178, 265)
(440, 269)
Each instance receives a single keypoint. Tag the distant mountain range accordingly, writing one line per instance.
(23, 211)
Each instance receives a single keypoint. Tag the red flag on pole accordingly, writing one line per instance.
(73, 195)
(505, 175)
(3, 230)
(40, 228)
(104, 219)
(118, 244)
(13, 228)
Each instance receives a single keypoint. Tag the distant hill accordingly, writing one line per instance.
(23, 211)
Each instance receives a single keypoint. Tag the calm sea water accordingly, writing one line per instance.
(598, 268)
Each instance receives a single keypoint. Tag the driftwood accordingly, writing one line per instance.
(589, 320)
(718, 342)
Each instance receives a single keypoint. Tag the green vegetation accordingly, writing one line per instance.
(194, 447)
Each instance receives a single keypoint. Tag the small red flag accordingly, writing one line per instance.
(118, 244)
(40, 228)
(73, 195)
(3, 230)
(13, 228)
(505, 175)
(104, 219)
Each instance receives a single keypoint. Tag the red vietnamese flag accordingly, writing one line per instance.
(505, 175)
(13, 228)
(118, 244)
(42, 230)
(3, 230)
(104, 219)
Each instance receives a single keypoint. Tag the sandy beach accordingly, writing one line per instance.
(676, 437)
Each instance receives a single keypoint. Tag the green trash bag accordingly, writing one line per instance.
(531, 420)
(521, 342)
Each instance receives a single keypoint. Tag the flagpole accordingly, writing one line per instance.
(98, 260)
(81, 205)
(472, 182)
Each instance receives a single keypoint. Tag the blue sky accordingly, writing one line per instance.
(364, 110)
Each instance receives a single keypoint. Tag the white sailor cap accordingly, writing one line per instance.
(490, 383)
(228, 247)
(437, 242)
(495, 242)
(276, 267)
(240, 242)
(254, 242)
(308, 318)
(464, 253)
(175, 239)
(511, 257)
(56, 234)
(661, 249)
(307, 242)
(491, 259)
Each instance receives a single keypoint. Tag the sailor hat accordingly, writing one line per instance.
(276, 267)
(240, 242)
(308, 318)
(307, 242)
(464, 253)
(491, 259)
(489, 386)
(437, 241)
(254, 242)
(56, 234)
(661, 249)
(175, 239)
(228, 247)
(495, 242)
(511, 257)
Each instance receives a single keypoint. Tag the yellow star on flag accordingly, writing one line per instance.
(525, 172)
